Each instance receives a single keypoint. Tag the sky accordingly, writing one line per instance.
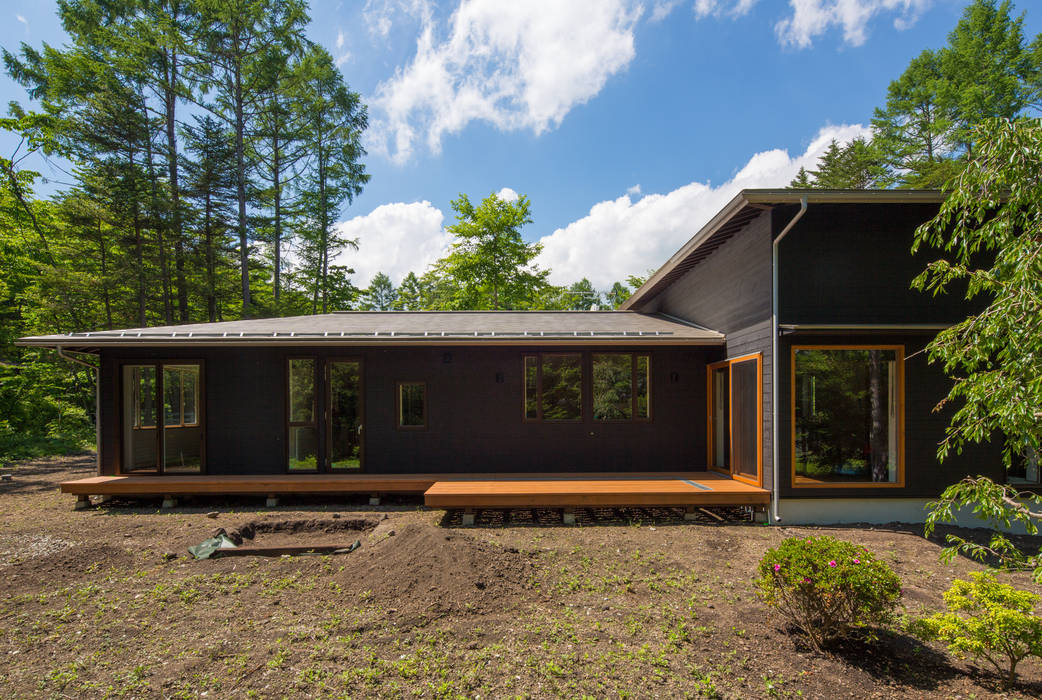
(627, 123)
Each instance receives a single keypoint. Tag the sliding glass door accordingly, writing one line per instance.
(735, 418)
(329, 438)
(162, 418)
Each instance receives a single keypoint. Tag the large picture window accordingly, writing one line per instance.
(553, 387)
(620, 386)
(847, 415)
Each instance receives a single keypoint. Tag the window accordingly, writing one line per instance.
(553, 387)
(847, 415)
(180, 395)
(412, 405)
(735, 422)
(620, 386)
(162, 426)
(1025, 468)
(303, 418)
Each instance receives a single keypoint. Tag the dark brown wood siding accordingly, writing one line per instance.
(730, 292)
(475, 421)
(852, 264)
(924, 386)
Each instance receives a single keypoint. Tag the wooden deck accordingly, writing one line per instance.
(452, 490)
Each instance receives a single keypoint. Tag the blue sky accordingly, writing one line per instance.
(628, 124)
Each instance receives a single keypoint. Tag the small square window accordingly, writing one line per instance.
(412, 405)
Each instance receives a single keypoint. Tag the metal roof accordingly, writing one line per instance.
(406, 327)
(746, 206)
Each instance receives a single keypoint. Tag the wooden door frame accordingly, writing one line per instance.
(730, 471)
(160, 437)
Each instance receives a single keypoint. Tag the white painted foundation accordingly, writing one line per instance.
(875, 511)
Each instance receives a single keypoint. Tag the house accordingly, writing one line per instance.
(774, 362)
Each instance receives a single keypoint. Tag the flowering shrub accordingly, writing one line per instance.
(988, 620)
(828, 588)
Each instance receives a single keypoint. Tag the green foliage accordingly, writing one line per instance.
(828, 588)
(987, 620)
(856, 165)
(489, 266)
(986, 70)
(991, 233)
(381, 294)
(1002, 507)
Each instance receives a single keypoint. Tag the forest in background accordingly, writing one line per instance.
(213, 148)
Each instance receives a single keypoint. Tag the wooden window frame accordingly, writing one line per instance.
(539, 388)
(316, 415)
(398, 406)
(159, 427)
(803, 482)
(182, 424)
(730, 470)
(634, 418)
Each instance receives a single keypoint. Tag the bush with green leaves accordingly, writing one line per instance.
(988, 620)
(828, 588)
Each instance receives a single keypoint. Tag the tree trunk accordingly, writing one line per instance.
(240, 185)
(211, 267)
(157, 225)
(278, 217)
(878, 443)
(104, 277)
(170, 98)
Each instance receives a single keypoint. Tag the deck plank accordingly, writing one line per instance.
(451, 490)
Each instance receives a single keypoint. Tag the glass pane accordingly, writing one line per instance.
(643, 386)
(412, 405)
(613, 387)
(562, 387)
(846, 422)
(302, 448)
(744, 430)
(140, 448)
(345, 398)
(171, 395)
(190, 395)
(721, 419)
(531, 387)
(302, 391)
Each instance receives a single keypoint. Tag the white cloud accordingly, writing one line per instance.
(507, 195)
(394, 239)
(720, 8)
(812, 18)
(624, 236)
(516, 65)
(24, 21)
(634, 191)
(340, 39)
(661, 9)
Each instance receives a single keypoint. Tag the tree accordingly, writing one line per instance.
(381, 294)
(582, 296)
(986, 70)
(617, 294)
(242, 40)
(489, 265)
(410, 294)
(334, 119)
(856, 165)
(990, 230)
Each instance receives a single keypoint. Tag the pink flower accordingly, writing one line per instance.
(806, 580)
(857, 561)
(832, 563)
(777, 567)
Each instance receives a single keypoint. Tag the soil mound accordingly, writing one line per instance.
(314, 527)
(424, 572)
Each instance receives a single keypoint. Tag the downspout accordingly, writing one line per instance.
(775, 488)
(97, 402)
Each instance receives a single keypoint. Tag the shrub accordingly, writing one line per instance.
(828, 588)
(989, 620)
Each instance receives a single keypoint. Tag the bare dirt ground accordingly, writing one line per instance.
(107, 603)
